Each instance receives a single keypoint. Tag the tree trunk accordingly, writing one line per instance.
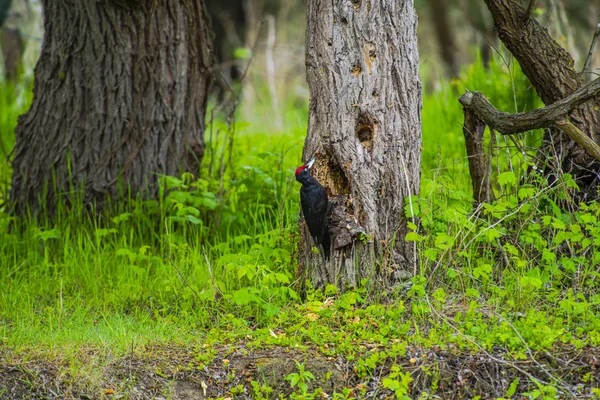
(550, 68)
(4, 10)
(119, 96)
(11, 42)
(365, 125)
(12, 51)
(444, 33)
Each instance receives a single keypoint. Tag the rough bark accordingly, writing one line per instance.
(550, 68)
(120, 95)
(364, 123)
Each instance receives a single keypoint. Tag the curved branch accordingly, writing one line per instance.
(509, 124)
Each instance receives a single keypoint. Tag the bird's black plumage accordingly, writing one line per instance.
(313, 198)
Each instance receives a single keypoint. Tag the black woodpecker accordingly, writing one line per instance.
(313, 198)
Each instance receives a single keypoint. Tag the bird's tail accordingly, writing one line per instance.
(326, 244)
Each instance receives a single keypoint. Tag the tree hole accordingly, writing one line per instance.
(339, 182)
(366, 130)
(356, 4)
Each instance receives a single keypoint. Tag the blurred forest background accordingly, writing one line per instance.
(266, 38)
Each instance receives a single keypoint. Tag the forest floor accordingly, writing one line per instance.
(249, 369)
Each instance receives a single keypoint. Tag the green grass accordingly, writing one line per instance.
(214, 260)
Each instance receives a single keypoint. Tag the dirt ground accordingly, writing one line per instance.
(165, 372)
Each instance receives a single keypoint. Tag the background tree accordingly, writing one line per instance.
(364, 123)
(445, 35)
(551, 70)
(120, 96)
(11, 42)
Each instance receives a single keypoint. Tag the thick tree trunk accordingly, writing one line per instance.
(364, 123)
(120, 96)
(551, 70)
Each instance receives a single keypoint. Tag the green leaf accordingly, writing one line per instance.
(194, 220)
(51, 234)
(243, 296)
(512, 389)
(282, 278)
(105, 232)
(507, 178)
(443, 241)
(414, 237)
(439, 294)
(242, 53)
(122, 217)
(531, 282)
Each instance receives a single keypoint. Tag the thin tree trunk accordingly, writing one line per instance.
(364, 123)
(120, 96)
(13, 46)
(444, 32)
(550, 68)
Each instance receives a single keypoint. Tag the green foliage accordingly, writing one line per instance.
(398, 382)
(301, 378)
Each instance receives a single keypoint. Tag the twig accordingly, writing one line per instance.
(503, 253)
(210, 272)
(588, 60)
(270, 61)
(3, 149)
(531, 8)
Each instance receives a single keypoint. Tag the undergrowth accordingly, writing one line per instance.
(214, 259)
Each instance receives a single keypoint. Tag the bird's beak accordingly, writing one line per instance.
(311, 162)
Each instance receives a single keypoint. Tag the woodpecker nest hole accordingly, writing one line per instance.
(332, 176)
(366, 130)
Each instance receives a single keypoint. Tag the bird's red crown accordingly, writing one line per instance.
(300, 169)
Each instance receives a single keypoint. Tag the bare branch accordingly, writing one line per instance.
(509, 124)
(588, 60)
(531, 8)
(578, 137)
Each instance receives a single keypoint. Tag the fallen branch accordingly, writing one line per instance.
(509, 124)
